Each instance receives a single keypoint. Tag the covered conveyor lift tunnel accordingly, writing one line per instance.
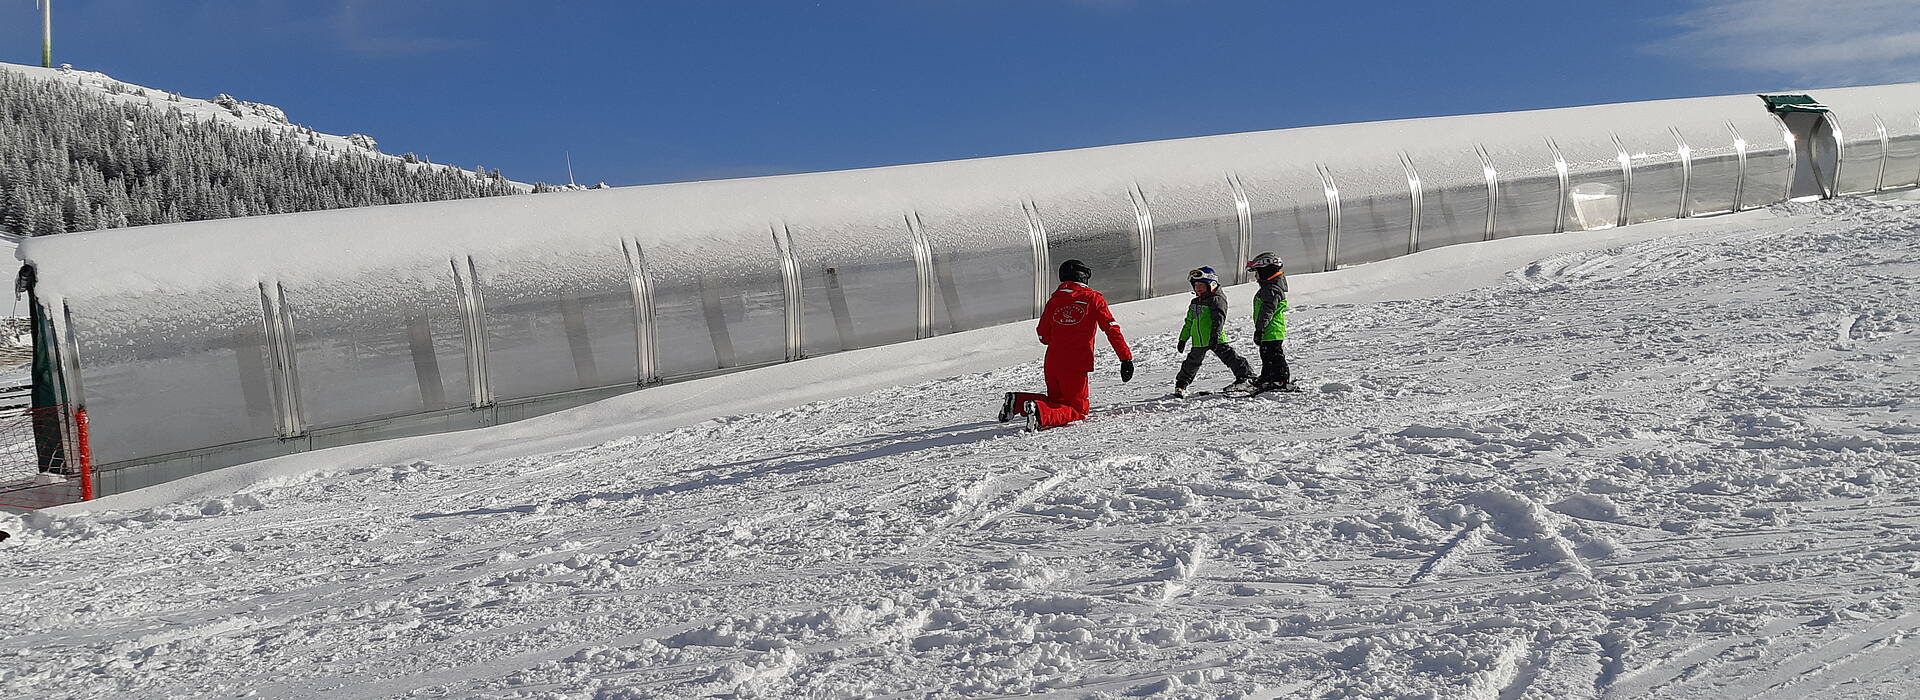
(189, 347)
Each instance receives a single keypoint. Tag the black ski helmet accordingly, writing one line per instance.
(1265, 260)
(1075, 271)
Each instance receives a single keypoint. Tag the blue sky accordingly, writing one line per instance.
(642, 91)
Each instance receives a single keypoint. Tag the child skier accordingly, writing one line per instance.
(1206, 327)
(1270, 322)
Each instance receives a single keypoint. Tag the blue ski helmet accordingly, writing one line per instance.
(1204, 274)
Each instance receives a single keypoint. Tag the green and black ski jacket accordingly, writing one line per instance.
(1270, 309)
(1206, 321)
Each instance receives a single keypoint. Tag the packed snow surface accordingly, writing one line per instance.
(1677, 460)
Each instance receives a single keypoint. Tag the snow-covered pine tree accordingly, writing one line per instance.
(72, 159)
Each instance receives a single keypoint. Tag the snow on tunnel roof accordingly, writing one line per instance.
(331, 244)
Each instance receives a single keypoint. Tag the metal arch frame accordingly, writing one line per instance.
(1143, 226)
(74, 411)
(1243, 213)
(1740, 177)
(1917, 135)
(1793, 156)
(1416, 195)
(289, 416)
(924, 273)
(1563, 173)
(1037, 238)
(790, 290)
(1332, 190)
(68, 347)
(1839, 155)
(1626, 175)
(645, 342)
(1916, 126)
(473, 315)
(1880, 181)
(1686, 173)
(1490, 173)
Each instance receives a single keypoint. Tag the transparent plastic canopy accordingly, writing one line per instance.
(189, 338)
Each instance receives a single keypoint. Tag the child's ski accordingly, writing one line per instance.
(1289, 388)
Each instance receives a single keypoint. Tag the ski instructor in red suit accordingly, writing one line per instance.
(1066, 327)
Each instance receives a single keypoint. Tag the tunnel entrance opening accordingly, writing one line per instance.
(1816, 152)
(44, 459)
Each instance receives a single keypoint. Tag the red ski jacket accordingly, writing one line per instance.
(1068, 323)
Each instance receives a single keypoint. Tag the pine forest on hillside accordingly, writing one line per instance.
(71, 160)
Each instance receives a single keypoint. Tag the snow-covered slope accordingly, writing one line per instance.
(1675, 460)
(224, 109)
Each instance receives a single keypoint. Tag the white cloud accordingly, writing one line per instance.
(1824, 42)
(389, 30)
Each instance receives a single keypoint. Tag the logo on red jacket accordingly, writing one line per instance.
(1070, 314)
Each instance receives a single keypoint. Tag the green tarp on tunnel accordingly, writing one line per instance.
(48, 390)
(1792, 103)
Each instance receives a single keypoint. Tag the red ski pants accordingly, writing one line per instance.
(1064, 402)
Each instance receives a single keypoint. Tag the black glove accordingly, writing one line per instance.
(1126, 370)
(1182, 347)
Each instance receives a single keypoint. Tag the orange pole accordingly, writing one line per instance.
(86, 454)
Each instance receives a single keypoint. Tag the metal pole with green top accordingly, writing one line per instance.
(46, 32)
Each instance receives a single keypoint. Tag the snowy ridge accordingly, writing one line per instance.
(1679, 460)
(225, 109)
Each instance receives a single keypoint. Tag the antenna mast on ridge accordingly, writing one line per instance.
(569, 155)
(46, 32)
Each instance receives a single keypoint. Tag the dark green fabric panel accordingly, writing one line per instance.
(47, 388)
(1792, 103)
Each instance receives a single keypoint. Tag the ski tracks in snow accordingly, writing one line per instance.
(1682, 467)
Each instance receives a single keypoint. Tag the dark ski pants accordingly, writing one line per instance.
(1241, 370)
(1273, 363)
(1066, 400)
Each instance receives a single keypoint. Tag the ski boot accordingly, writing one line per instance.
(1239, 386)
(1033, 416)
(1008, 407)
